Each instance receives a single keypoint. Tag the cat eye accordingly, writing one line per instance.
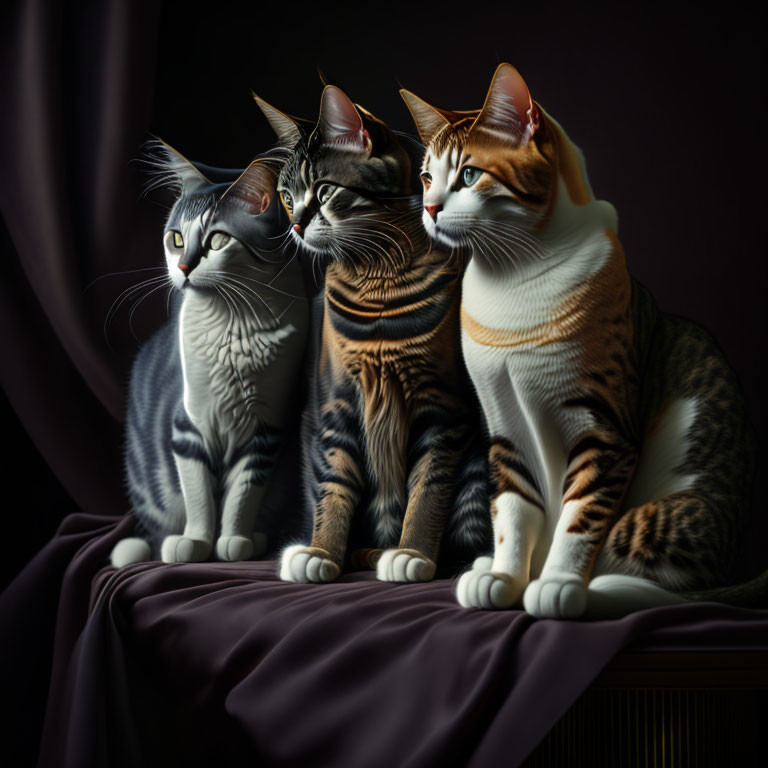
(178, 240)
(218, 241)
(324, 193)
(471, 175)
(287, 200)
(426, 179)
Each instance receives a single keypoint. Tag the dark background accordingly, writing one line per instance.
(669, 109)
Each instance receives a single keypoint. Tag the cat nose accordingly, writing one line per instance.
(184, 268)
(433, 210)
(298, 230)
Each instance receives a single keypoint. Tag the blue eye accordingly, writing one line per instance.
(471, 175)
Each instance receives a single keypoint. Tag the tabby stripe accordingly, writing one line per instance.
(519, 468)
(414, 323)
(409, 299)
(598, 409)
(507, 483)
(598, 486)
(266, 442)
(186, 449)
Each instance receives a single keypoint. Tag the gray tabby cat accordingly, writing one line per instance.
(210, 392)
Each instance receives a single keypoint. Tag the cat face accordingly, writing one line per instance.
(489, 174)
(225, 224)
(345, 182)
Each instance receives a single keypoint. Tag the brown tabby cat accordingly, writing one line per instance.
(390, 433)
(620, 443)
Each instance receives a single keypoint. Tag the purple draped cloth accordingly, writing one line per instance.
(223, 664)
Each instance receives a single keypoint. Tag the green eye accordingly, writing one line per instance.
(218, 241)
(178, 240)
(324, 193)
(286, 198)
(471, 175)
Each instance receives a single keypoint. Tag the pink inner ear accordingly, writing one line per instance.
(251, 188)
(340, 122)
(255, 202)
(509, 104)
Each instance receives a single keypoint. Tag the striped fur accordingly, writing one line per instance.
(620, 445)
(210, 392)
(393, 429)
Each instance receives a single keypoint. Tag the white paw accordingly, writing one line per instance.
(404, 565)
(232, 548)
(307, 564)
(480, 588)
(556, 596)
(483, 563)
(129, 551)
(181, 549)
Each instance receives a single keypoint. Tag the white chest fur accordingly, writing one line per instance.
(224, 357)
(522, 360)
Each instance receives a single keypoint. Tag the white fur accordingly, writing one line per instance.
(664, 450)
(129, 551)
(296, 564)
(397, 565)
(499, 582)
(613, 595)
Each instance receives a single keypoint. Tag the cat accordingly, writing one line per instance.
(393, 427)
(620, 445)
(210, 395)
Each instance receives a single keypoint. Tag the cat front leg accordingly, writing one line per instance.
(599, 470)
(245, 482)
(517, 512)
(339, 477)
(197, 479)
(431, 488)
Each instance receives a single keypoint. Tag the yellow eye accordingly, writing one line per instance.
(287, 200)
(178, 240)
(218, 241)
(426, 179)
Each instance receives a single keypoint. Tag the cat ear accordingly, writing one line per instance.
(340, 123)
(286, 128)
(508, 106)
(429, 120)
(172, 168)
(253, 189)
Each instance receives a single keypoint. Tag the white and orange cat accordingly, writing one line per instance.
(620, 447)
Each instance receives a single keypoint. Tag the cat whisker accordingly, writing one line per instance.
(124, 296)
(135, 306)
(126, 272)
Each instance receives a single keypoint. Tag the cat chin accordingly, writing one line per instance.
(441, 237)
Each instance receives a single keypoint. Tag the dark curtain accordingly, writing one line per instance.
(76, 104)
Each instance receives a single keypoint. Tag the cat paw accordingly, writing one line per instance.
(556, 596)
(182, 549)
(484, 588)
(232, 548)
(404, 565)
(483, 563)
(307, 565)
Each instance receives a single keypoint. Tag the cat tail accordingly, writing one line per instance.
(614, 595)
(129, 551)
